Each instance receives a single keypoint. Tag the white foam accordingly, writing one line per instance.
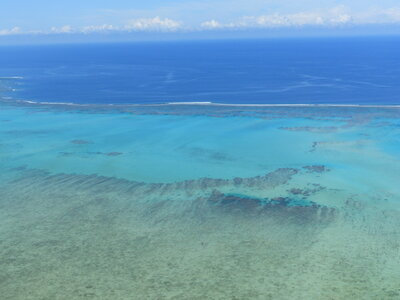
(12, 77)
(209, 103)
(49, 103)
(281, 105)
(190, 103)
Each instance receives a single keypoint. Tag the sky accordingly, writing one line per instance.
(85, 18)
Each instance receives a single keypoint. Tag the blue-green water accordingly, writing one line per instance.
(199, 202)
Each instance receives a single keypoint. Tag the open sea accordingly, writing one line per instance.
(247, 169)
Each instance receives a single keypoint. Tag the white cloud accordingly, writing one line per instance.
(335, 17)
(150, 24)
(98, 28)
(12, 31)
(212, 24)
(63, 29)
(393, 14)
(153, 24)
(388, 16)
(294, 20)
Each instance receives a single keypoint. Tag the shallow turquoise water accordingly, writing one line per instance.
(199, 202)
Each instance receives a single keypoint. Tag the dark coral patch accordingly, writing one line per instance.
(63, 153)
(28, 132)
(316, 169)
(114, 153)
(291, 208)
(326, 129)
(314, 146)
(306, 192)
(284, 201)
(237, 180)
(234, 201)
(80, 142)
(208, 154)
(296, 191)
(226, 199)
(85, 154)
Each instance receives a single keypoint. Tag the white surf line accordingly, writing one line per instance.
(208, 103)
(282, 105)
(191, 103)
(50, 103)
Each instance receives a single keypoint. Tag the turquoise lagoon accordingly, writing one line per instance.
(199, 202)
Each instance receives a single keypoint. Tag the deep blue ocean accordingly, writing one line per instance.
(317, 70)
